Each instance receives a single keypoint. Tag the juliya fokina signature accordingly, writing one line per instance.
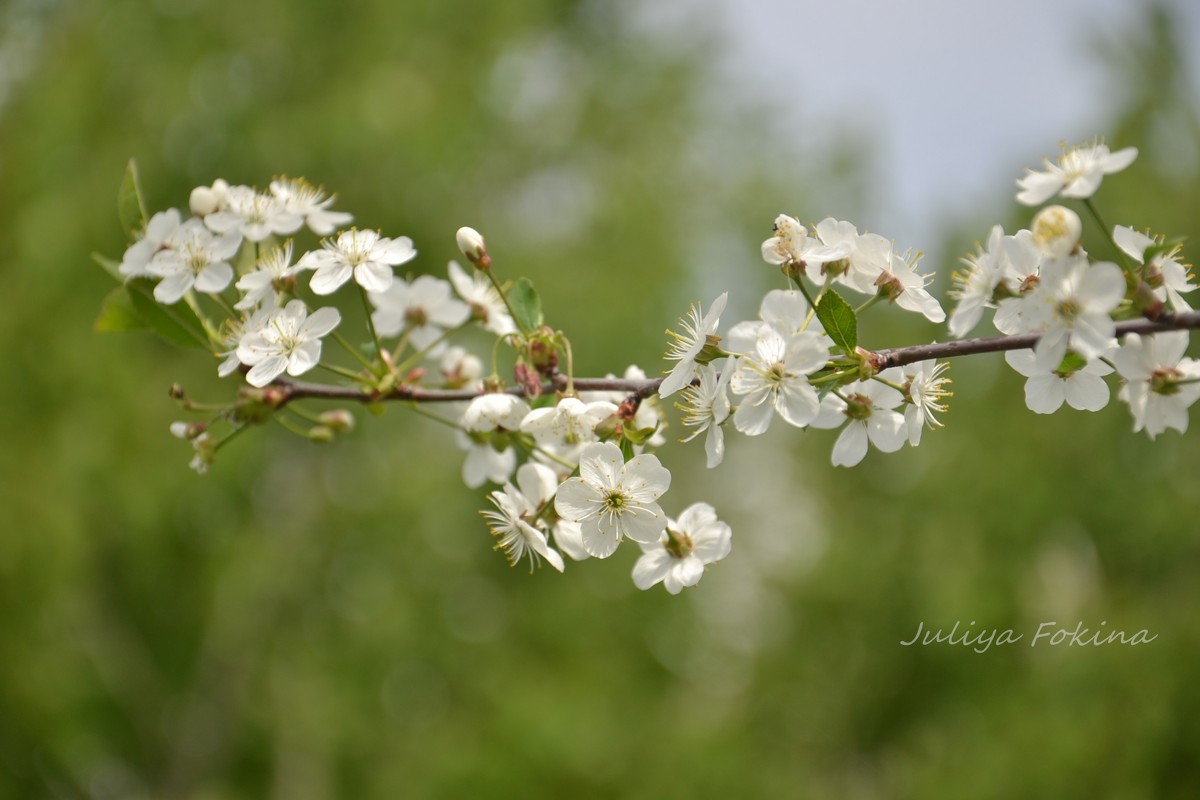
(1050, 633)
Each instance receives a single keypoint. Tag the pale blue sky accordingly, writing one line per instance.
(959, 94)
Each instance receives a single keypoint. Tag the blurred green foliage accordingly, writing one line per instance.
(310, 622)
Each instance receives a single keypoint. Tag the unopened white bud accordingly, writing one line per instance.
(1057, 231)
(470, 242)
(205, 200)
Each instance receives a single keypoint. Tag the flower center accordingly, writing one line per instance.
(859, 407)
(1165, 380)
(678, 544)
(1069, 309)
(615, 502)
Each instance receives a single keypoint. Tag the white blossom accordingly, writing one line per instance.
(1005, 267)
(364, 255)
(159, 233)
(423, 307)
(309, 202)
(1072, 303)
(612, 500)
(867, 256)
(924, 390)
(252, 214)
(486, 460)
(1051, 381)
(687, 344)
(905, 287)
(774, 377)
(678, 558)
(869, 416)
(784, 309)
(567, 427)
(274, 268)
(1077, 173)
(792, 245)
(1169, 278)
(1161, 384)
(513, 522)
(485, 303)
(195, 260)
(706, 407)
(495, 411)
(288, 340)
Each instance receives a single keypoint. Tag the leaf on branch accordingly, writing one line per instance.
(526, 305)
(111, 267)
(176, 324)
(118, 314)
(131, 208)
(839, 321)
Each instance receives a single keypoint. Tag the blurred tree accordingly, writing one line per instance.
(308, 622)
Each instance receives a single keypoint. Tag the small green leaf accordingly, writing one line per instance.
(177, 324)
(117, 313)
(130, 207)
(839, 321)
(638, 435)
(526, 305)
(111, 267)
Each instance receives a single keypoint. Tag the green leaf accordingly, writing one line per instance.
(111, 267)
(117, 313)
(839, 321)
(177, 324)
(130, 206)
(638, 435)
(526, 305)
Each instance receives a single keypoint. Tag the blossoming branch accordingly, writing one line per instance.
(571, 458)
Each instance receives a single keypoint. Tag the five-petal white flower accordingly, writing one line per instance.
(612, 500)
(1077, 174)
(1053, 380)
(310, 203)
(485, 303)
(1161, 382)
(196, 260)
(774, 377)
(289, 339)
(869, 416)
(678, 558)
(423, 307)
(365, 255)
(792, 245)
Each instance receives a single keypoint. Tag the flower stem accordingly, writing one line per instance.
(371, 324)
(1108, 234)
(354, 351)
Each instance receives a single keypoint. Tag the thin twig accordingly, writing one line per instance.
(647, 387)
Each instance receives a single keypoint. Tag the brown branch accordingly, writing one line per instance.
(647, 387)
(899, 356)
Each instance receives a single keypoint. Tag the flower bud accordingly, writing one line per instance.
(203, 201)
(1057, 231)
(207, 199)
(338, 420)
(320, 434)
(470, 242)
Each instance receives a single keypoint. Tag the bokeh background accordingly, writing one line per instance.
(330, 621)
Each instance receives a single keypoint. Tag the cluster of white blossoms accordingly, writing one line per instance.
(785, 363)
(1042, 281)
(570, 462)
